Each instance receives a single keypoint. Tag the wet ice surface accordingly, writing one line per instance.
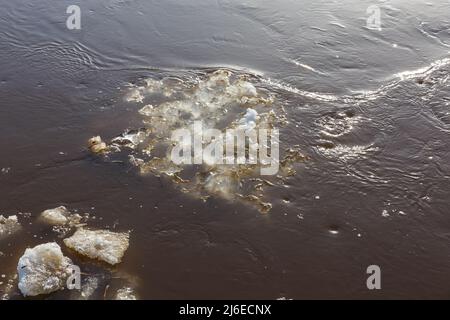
(99, 244)
(61, 216)
(365, 112)
(43, 270)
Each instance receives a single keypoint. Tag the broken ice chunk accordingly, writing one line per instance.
(96, 145)
(135, 96)
(43, 269)
(88, 288)
(147, 110)
(60, 216)
(248, 121)
(8, 226)
(242, 88)
(222, 184)
(125, 293)
(129, 139)
(99, 244)
(57, 216)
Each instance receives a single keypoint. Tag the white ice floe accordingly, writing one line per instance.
(8, 226)
(43, 269)
(99, 244)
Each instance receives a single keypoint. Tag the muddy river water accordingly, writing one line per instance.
(363, 113)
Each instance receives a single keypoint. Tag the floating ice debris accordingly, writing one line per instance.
(6, 170)
(99, 244)
(8, 226)
(43, 269)
(242, 88)
(135, 96)
(248, 122)
(130, 139)
(88, 288)
(135, 161)
(221, 184)
(96, 145)
(147, 110)
(222, 99)
(125, 293)
(57, 216)
(60, 216)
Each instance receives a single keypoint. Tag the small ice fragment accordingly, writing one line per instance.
(147, 110)
(135, 96)
(384, 213)
(6, 170)
(88, 288)
(243, 88)
(57, 216)
(249, 119)
(317, 197)
(43, 269)
(125, 293)
(96, 145)
(221, 184)
(250, 115)
(129, 139)
(8, 226)
(99, 244)
(135, 161)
